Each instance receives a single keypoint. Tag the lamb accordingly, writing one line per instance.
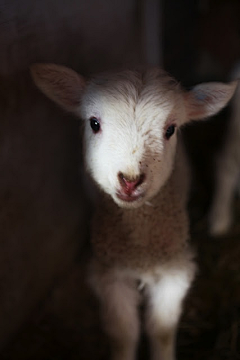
(140, 228)
(228, 172)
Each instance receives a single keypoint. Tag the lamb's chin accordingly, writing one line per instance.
(129, 202)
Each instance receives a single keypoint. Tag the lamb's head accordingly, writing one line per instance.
(131, 121)
(130, 133)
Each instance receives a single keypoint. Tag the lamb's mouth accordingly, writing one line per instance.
(129, 198)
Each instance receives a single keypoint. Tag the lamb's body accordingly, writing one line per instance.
(143, 254)
(140, 227)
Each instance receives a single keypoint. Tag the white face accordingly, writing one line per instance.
(130, 142)
(130, 123)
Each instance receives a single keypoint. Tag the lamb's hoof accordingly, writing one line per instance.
(219, 224)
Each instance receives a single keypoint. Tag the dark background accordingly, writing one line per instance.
(46, 309)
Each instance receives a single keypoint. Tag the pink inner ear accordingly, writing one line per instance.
(208, 99)
(196, 104)
(199, 107)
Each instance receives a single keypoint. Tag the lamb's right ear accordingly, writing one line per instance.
(60, 84)
(207, 99)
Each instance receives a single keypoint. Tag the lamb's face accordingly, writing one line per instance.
(131, 121)
(130, 136)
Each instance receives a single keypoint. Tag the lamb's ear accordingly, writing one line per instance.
(207, 99)
(60, 84)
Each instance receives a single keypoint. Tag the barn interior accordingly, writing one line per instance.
(47, 310)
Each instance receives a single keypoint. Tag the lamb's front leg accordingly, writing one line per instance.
(164, 308)
(119, 299)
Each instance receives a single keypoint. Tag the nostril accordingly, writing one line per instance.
(128, 183)
(140, 180)
(120, 176)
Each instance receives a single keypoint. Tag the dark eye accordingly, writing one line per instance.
(95, 125)
(170, 131)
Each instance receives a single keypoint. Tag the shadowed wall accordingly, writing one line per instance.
(43, 214)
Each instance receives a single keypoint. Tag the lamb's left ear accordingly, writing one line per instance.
(207, 99)
(60, 84)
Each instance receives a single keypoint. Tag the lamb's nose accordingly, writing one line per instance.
(129, 184)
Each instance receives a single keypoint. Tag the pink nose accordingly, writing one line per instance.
(130, 184)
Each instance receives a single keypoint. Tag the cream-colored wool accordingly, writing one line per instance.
(140, 227)
(141, 238)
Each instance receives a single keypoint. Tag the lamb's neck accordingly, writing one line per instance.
(142, 237)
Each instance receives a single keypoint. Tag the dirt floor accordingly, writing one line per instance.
(66, 325)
